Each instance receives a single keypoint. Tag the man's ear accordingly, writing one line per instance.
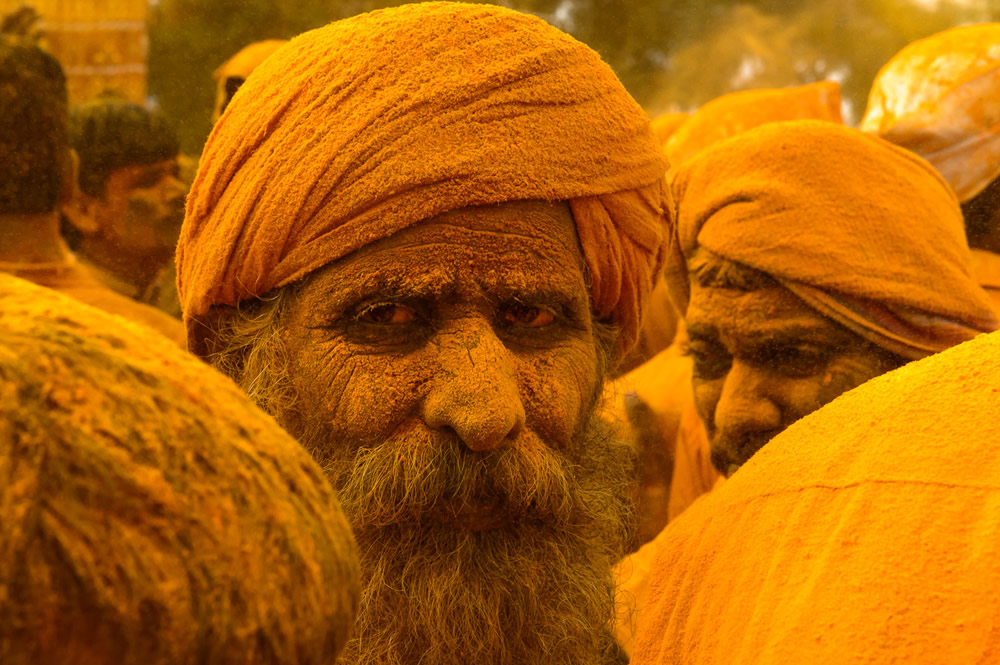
(79, 208)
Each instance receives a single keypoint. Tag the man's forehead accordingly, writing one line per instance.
(522, 246)
(435, 277)
(760, 315)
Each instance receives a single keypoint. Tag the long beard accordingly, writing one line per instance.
(537, 588)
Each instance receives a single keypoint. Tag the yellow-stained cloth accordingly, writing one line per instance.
(367, 126)
(940, 98)
(72, 279)
(865, 232)
(665, 124)
(867, 532)
(986, 271)
(737, 112)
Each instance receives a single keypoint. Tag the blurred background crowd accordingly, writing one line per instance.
(672, 55)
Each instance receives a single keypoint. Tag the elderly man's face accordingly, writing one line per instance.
(447, 378)
(762, 360)
(474, 326)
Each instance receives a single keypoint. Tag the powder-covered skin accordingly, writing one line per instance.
(762, 360)
(447, 379)
(867, 533)
(452, 325)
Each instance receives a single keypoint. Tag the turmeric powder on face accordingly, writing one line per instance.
(762, 360)
(447, 379)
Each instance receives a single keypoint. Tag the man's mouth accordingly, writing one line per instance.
(485, 517)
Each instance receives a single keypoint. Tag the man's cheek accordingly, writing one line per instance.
(369, 397)
(558, 392)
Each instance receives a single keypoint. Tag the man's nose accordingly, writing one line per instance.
(746, 406)
(475, 392)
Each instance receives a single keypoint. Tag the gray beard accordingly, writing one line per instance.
(536, 589)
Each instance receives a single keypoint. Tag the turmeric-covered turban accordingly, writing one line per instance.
(940, 98)
(864, 232)
(363, 128)
(238, 68)
(737, 112)
(866, 533)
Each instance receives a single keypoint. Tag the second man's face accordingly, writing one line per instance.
(762, 360)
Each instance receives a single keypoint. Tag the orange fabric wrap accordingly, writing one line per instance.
(938, 98)
(863, 231)
(867, 532)
(367, 126)
(666, 124)
(737, 112)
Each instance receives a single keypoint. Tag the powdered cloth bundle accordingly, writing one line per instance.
(737, 112)
(666, 124)
(866, 233)
(867, 532)
(938, 98)
(358, 130)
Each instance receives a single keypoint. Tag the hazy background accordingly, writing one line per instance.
(671, 54)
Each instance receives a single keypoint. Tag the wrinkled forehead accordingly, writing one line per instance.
(741, 317)
(505, 250)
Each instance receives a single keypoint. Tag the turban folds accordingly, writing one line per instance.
(866, 233)
(737, 112)
(867, 532)
(940, 98)
(363, 128)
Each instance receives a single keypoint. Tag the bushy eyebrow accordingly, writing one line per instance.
(790, 335)
(396, 287)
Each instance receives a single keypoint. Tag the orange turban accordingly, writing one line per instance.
(666, 124)
(363, 128)
(866, 233)
(737, 112)
(940, 98)
(867, 532)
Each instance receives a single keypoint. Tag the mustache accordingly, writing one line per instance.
(416, 475)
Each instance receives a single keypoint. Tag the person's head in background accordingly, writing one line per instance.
(815, 257)
(149, 513)
(37, 165)
(937, 97)
(126, 216)
(231, 75)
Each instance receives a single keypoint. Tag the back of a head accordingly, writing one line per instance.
(34, 143)
(149, 514)
(738, 112)
(112, 134)
(867, 532)
(936, 97)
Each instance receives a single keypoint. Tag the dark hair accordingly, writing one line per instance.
(110, 135)
(980, 212)
(34, 140)
(713, 271)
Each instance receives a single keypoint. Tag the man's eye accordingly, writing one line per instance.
(796, 361)
(710, 361)
(387, 314)
(527, 316)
